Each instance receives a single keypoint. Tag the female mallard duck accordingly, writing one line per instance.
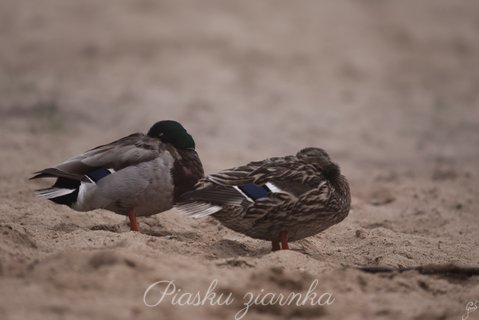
(277, 199)
(138, 175)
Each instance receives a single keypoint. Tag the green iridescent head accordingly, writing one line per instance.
(170, 131)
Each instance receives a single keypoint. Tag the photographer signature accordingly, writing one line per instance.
(471, 306)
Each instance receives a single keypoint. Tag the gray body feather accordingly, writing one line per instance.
(146, 187)
(140, 178)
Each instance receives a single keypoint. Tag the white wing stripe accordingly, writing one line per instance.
(273, 188)
(243, 194)
(53, 192)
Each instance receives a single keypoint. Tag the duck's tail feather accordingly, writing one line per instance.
(64, 191)
(51, 193)
(197, 209)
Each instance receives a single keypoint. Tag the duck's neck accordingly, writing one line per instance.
(186, 171)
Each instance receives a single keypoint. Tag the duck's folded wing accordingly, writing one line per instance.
(54, 172)
(249, 173)
(215, 194)
(117, 155)
(208, 200)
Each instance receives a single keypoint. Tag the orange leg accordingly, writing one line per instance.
(283, 236)
(275, 245)
(134, 226)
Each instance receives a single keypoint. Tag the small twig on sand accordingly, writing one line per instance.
(429, 269)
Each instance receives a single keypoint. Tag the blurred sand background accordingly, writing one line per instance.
(389, 88)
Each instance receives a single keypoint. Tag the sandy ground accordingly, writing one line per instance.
(389, 88)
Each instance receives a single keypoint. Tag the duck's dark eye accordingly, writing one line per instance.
(161, 134)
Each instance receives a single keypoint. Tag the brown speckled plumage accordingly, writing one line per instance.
(304, 195)
(187, 170)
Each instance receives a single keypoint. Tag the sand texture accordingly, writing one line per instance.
(389, 88)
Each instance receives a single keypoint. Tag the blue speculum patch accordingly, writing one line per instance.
(255, 191)
(98, 174)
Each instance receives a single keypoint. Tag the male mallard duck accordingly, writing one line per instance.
(138, 175)
(277, 199)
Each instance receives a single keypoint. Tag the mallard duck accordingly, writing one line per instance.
(278, 199)
(138, 175)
